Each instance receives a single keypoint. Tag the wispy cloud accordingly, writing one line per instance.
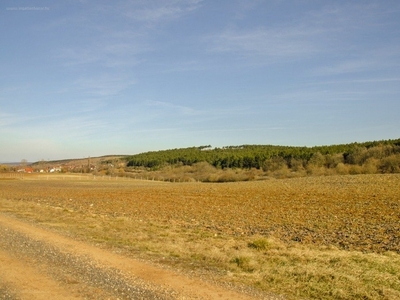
(330, 31)
(378, 58)
(119, 52)
(77, 127)
(182, 66)
(66, 128)
(104, 43)
(205, 113)
(240, 129)
(348, 66)
(274, 43)
(7, 119)
(177, 109)
(158, 11)
(104, 85)
(372, 80)
(77, 56)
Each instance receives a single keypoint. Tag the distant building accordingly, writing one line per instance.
(28, 170)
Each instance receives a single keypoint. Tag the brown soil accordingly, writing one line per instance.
(349, 212)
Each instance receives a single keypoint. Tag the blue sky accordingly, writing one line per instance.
(90, 78)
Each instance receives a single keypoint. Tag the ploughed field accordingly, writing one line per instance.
(359, 213)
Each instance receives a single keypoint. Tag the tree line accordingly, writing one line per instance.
(383, 154)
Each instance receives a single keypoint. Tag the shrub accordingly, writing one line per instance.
(331, 161)
(342, 169)
(390, 164)
(355, 169)
(296, 165)
(243, 262)
(315, 170)
(370, 166)
(356, 156)
(281, 173)
(316, 160)
(274, 164)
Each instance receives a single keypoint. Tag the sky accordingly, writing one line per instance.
(92, 78)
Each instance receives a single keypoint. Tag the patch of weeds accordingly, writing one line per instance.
(334, 261)
(198, 257)
(243, 262)
(174, 254)
(260, 244)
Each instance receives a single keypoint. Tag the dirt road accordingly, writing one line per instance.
(39, 264)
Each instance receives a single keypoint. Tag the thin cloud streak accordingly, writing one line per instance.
(266, 42)
(200, 115)
(103, 85)
(160, 10)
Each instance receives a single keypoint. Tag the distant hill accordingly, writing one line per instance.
(243, 156)
(255, 156)
(78, 161)
(12, 163)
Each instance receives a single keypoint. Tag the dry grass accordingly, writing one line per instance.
(322, 237)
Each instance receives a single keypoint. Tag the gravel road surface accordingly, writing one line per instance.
(40, 264)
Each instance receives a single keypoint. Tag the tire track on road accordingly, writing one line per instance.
(77, 269)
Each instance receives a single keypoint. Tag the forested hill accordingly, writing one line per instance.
(260, 156)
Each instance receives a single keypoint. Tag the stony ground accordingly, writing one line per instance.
(350, 212)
